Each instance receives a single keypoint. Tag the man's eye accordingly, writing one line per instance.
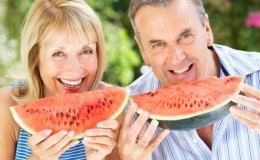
(186, 39)
(57, 54)
(185, 36)
(156, 45)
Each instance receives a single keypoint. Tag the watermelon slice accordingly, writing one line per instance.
(190, 105)
(71, 111)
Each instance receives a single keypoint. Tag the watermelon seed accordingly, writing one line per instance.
(71, 123)
(57, 114)
(77, 123)
(103, 103)
(191, 105)
(62, 114)
(186, 105)
(105, 99)
(67, 115)
(110, 101)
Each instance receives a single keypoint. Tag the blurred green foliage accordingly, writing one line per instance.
(227, 19)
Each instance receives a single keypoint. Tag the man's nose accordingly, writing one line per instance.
(175, 55)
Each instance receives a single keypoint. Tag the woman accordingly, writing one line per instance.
(62, 50)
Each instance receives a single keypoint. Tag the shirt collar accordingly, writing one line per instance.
(236, 62)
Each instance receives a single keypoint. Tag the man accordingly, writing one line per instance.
(176, 40)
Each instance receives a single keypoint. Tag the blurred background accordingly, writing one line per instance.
(235, 23)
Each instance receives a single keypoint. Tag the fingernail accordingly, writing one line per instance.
(71, 134)
(154, 122)
(145, 114)
(235, 97)
(232, 110)
(88, 132)
(167, 132)
(48, 132)
(100, 124)
(86, 138)
(64, 132)
(75, 143)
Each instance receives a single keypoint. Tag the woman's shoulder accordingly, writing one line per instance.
(6, 98)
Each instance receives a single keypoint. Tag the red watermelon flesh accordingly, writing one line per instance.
(71, 111)
(185, 100)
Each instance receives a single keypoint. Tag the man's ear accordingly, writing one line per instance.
(142, 51)
(210, 38)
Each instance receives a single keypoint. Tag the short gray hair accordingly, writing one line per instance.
(135, 5)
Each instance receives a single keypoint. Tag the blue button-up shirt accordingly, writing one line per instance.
(232, 140)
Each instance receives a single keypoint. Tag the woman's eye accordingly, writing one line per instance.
(57, 54)
(87, 51)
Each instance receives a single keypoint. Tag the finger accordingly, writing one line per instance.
(141, 133)
(250, 91)
(38, 137)
(99, 147)
(137, 127)
(249, 116)
(55, 138)
(61, 143)
(253, 125)
(157, 140)
(101, 132)
(144, 141)
(125, 125)
(111, 123)
(65, 148)
(249, 102)
(100, 140)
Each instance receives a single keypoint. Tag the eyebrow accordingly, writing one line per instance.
(185, 31)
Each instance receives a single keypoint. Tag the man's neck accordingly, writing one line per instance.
(206, 134)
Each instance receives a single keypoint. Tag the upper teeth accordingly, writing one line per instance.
(180, 71)
(73, 83)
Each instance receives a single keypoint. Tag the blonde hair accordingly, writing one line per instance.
(44, 19)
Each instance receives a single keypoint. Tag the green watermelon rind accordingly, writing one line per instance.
(19, 121)
(32, 132)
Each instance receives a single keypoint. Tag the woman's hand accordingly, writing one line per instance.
(45, 147)
(251, 98)
(100, 141)
(134, 142)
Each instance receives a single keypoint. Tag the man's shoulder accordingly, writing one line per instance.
(238, 62)
(236, 52)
